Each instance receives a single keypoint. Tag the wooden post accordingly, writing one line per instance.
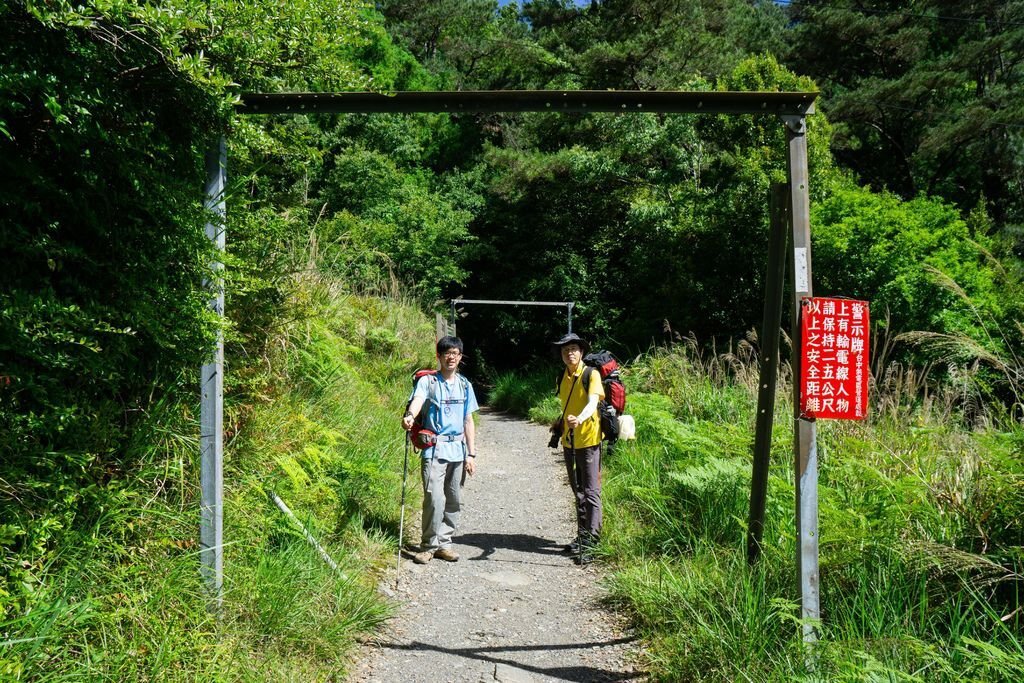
(211, 420)
(769, 343)
(805, 453)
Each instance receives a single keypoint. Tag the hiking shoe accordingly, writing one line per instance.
(585, 552)
(572, 548)
(446, 554)
(584, 558)
(422, 557)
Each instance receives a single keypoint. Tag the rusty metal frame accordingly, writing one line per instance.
(790, 107)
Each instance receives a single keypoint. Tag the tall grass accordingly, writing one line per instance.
(921, 519)
(313, 418)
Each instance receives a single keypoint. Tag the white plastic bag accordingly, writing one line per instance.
(627, 427)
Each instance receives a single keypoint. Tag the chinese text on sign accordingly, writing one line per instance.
(835, 358)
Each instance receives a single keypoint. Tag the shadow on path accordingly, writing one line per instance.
(577, 674)
(524, 543)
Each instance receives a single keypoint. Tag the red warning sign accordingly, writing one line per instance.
(835, 334)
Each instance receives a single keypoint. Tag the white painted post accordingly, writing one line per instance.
(805, 450)
(211, 421)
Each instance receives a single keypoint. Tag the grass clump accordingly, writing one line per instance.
(313, 420)
(920, 515)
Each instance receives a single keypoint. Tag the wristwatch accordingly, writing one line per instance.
(470, 455)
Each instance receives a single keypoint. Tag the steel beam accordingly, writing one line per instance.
(211, 420)
(805, 452)
(499, 302)
(769, 357)
(580, 101)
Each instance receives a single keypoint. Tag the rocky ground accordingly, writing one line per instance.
(514, 607)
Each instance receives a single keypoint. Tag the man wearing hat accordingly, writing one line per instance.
(581, 442)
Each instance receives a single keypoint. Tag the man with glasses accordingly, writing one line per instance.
(578, 394)
(447, 402)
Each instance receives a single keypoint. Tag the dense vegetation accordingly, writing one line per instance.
(654, 225)
(920, 522)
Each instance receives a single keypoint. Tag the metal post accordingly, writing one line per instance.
(804, 433)
(770, 332)
(211, 421)
(570, 315)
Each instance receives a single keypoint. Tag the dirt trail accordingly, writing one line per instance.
(514, 608)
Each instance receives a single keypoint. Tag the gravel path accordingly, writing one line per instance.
(514, 608)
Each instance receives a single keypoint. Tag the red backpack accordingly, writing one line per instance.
(614, 390)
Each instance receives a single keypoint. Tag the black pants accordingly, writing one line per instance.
(583, 466)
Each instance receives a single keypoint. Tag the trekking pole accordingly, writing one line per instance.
(401, 516)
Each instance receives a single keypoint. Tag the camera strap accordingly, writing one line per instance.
(568, 397)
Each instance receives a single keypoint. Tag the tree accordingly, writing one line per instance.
(652, 44)
(925, 95)
(106, 110)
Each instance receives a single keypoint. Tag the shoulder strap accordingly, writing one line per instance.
(568, 397)
(432, 388)
(464, 383)
(588, 372)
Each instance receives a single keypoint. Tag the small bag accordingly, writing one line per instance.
(610, 427)
(421, 437)
(627, 427)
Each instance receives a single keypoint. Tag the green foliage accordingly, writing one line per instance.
(890, 251)
(516, 394)
(652, 44)
(123, 598)
(921, 569)
(644, 221)
(107, 111)
(102, 253)
(923, 95)
(393, 223)
(651, 224)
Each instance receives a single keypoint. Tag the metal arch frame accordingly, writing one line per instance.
(791, 108)
(563, 101)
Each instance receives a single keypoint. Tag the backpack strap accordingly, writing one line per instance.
(435, 378)
(465, 395)
(588, 372)
(433, 388)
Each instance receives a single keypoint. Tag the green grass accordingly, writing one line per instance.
(921, 523)
(315, 420)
